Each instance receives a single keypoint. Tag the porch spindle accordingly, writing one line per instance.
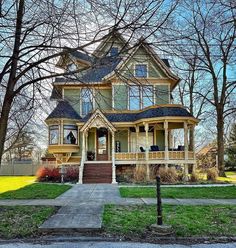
(137, 146)
(146, 127)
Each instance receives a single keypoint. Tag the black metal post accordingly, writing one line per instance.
(159, 208)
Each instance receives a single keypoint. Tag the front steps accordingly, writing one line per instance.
(97, 172)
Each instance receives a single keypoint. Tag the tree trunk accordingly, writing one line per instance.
(220, 143)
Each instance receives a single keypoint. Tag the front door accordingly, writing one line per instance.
(102, 144)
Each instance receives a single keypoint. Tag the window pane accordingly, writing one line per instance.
(53, 135)
(70, 135)
(114, 51)
(141, 70)
(147, 96)
(134, 103)
(86, 96)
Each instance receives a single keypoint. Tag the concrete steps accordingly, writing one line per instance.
(97, 173)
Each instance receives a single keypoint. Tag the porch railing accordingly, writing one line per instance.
(158, 155)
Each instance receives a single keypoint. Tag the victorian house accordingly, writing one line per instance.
(116, 112)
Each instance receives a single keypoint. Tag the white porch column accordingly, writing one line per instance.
(81, 168)
(61, 137)
(194, 156)
(186, 140)
(146, 127)
(137, 146)
(113, 158)
(166, 140)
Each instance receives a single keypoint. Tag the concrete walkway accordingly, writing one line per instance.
(82, 205)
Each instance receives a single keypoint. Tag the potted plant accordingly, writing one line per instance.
(90, 155)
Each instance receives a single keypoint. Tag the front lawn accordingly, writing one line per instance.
(22, 221)
(8, 183)
(228, 192)
(134, 221)
(36, 191)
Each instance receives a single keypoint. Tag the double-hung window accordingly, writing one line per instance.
(134, 97)
(140, 96)
(141, 70)
(86, 101)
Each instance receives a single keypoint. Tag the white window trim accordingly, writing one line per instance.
(141, 63)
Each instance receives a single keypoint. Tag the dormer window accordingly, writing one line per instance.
(71, 67)
(141, 70)
(114, 51)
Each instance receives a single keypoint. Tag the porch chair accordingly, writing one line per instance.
(154, 148)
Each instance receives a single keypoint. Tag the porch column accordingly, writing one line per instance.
(113, 158)
(137, 146)
(81, 168)
(166, 140)
(186, 140)
(193, 150)
(61, 137)
(146, 127)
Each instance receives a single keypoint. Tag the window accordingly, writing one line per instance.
(134, 97)
(53, 135)
(70, 134)
(114, 51)
(140, 97)
(141, 70)
(86, 101)
(147, 96)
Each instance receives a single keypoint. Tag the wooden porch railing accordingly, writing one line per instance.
(159, 155)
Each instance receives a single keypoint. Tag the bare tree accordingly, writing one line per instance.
(35, 33)
(210, 27)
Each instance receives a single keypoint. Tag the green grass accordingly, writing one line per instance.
(186, 220)
(8, 183)
(22, 221)
(36, 191)
(228, 192)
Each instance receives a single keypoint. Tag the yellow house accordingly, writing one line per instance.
(115, 112)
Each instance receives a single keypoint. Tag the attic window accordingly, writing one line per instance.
(114, 51)
(141, 70)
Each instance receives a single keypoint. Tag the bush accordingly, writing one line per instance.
(168, 175)
(45, 174)
(140, 173)
(212, 174)
(72, 174)
(194, 177)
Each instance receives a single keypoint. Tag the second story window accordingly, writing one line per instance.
(134, 97)
(140, 97)
(141, 70)
(86, 101)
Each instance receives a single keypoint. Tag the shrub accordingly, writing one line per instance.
(140, 173)
(72, 174)
(168, 175)
(212, 174)
(194, 177)
(45, 174)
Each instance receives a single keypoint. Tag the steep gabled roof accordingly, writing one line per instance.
(64, 110)
(162, 63)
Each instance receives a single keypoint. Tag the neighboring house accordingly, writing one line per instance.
(117, 112)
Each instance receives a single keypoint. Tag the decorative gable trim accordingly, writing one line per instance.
(98, 119)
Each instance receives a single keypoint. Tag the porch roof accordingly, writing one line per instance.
(151, 112)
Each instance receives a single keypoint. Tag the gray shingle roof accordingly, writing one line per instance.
(64, 110)
(83, 56)
(148, 113)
